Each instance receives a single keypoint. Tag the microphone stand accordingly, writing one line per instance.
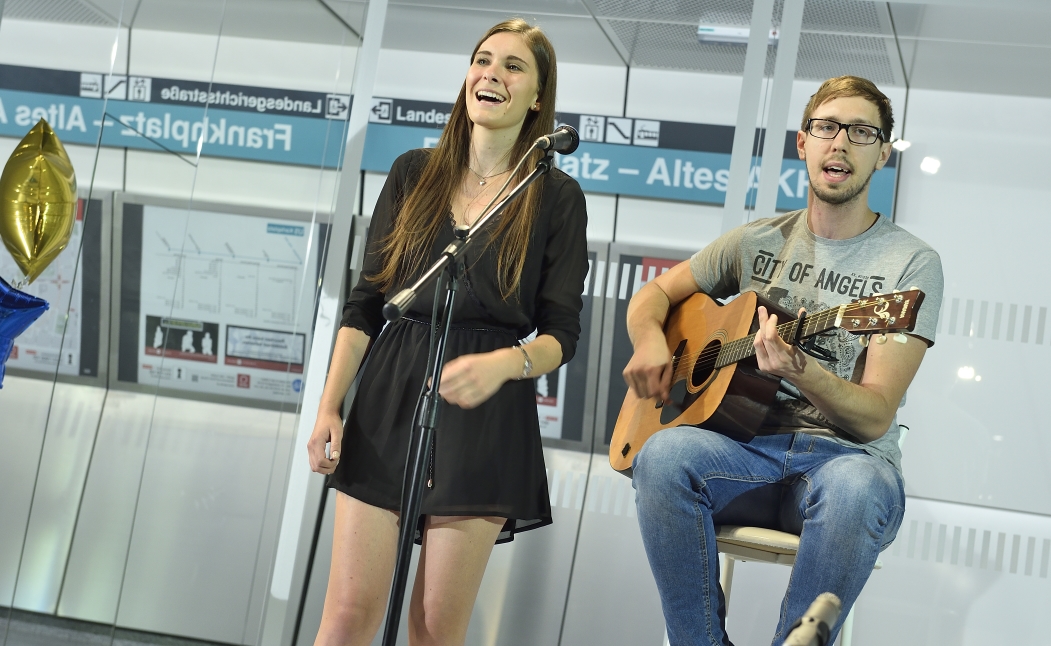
(426, 420)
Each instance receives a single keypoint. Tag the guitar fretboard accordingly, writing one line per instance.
(744, 347)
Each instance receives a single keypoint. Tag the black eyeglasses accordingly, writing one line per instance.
(857, 133)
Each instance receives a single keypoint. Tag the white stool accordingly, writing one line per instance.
(764, 546)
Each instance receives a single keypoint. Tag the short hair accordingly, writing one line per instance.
(849, 86)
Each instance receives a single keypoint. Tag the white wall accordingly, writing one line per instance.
(986, 211)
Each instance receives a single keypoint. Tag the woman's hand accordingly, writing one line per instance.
(471, 379)
(328, 429)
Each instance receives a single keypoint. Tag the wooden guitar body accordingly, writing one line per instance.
(732, 400)
(716, 381)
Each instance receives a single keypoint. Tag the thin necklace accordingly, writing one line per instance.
(482, 178)
(490, 174)
(472, 200)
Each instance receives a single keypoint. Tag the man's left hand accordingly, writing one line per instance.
(773, 354)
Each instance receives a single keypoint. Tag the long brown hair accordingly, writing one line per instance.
(423, 212)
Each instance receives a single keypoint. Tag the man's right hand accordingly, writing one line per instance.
(328, 429)
(648, 373)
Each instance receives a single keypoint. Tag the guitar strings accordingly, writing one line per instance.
(746, 343)
(744, 347)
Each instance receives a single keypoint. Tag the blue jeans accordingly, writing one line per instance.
(845, 505)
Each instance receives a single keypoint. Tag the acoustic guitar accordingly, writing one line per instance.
(716, 381)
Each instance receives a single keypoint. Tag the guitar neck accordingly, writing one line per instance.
(813, 324)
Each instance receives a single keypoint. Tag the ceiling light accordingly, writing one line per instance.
(930, 165)
(901, 145)
(735, 35)
(965, 372)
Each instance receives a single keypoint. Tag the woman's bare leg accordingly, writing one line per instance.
(455, 552)
(364, 548)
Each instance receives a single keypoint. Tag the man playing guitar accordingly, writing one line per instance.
(826, 463)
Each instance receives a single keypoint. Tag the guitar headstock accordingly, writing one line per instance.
(881, 313)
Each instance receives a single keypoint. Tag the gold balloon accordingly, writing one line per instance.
(38, 200)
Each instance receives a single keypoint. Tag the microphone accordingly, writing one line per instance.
(813, 628)
(563, 140)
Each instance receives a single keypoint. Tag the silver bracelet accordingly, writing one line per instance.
(527, 367)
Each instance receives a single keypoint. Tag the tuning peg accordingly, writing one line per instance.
(901, 338)
(881, 339)
(864, 341)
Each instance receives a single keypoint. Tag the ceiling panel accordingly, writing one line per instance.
(508, 7)
(350, 12)
(118, 9)
(986, 25)
(845, 17)
(718, 12)
(674, 46)
(842, 36)
(63, 11)
(823, 56)
(446, 30)
(965, 45)
(192, 16)
(292, 20)
(907, 18)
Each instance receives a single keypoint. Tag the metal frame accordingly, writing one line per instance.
(120, 199)
(734, 210)
(777, 117)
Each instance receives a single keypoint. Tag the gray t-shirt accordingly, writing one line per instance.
(783, 261)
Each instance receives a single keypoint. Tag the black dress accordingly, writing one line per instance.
(487, 461)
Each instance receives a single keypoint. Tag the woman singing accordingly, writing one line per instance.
(525, 272)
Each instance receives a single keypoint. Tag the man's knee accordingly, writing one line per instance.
(670, 454)
(863, 491)
(859, 478)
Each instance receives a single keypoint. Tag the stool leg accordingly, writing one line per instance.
(726, 575)
(845, 633)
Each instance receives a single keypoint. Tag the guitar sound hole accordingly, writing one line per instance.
(705, 366)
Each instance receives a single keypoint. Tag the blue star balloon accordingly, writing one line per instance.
(18, 310)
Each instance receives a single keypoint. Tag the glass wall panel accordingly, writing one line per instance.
(148, 415)
(61, 71)
(972, 186)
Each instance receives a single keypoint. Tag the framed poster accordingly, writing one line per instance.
(69, 340)
(215, 302)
